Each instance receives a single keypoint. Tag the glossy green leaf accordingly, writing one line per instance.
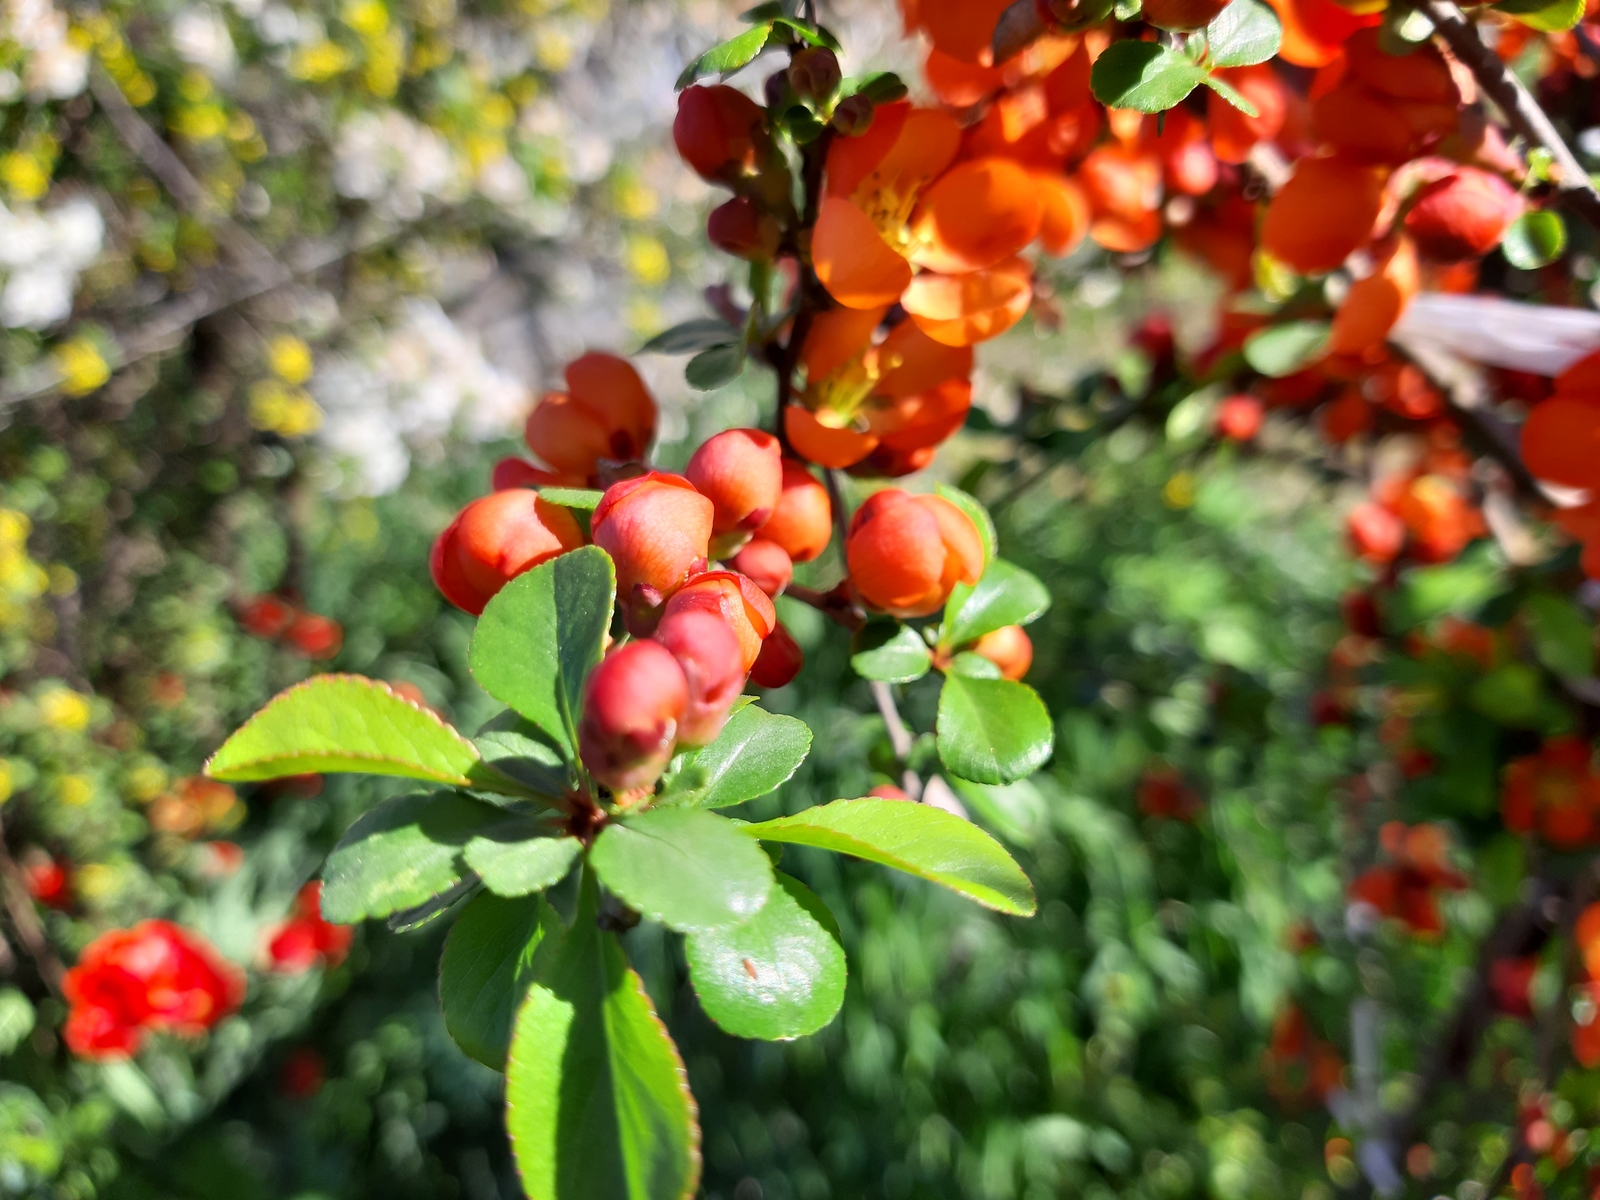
(974, 666)
(684, 868)
(926, 842)
(881, 87)
(494, 950)
(1535, 239)
(541, 635)
(806, 31)
(1146, 76)
(756, 752)
(597, 1098)
(401, 854)
(1543, 15)
(586, 499)
(1243, 34)
(729, 56)
(691, 337)
(978, 514)
(890, 653)
(1006, 595)
(1563, 635)
(521, 855)
(714, 368)
(992, 730)
(516, 748)
(1231, 94)
(1280, 350)
(778, 975)
(344, 723)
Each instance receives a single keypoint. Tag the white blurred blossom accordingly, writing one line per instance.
(396, 163)
(403, 392)
(41, 255)
(54, 67)
(200, 37)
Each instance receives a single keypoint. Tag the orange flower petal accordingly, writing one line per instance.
(854, 263)
(975, 215)
(822, 444)
(1314, 30)
(1374, 304)
(922, 362)
(1065, 214)
(962, 310)
(1325, 211)
(837, 337)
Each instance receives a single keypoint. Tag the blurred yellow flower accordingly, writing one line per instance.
(1180, 490)
(143, 784)
(62, 708)
(636, 201)
(26, 176)
(369, 18)
(319, 62)
(6, 783)
(95, 881)
(199, 122)
(76, 790)
(14, 527)
(647, 259)
(82, 367)
(289, 358)
(194, 86)
(285, 411)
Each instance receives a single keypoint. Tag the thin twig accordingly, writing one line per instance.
(1522, 112)
(899, 737)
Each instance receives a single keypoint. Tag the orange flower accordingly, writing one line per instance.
(1123, 186)
(894, 202)
(1325, 211)
(1233, 132)
(1314, 30)
(605, 413)
(1373, 304)
(1555, 792)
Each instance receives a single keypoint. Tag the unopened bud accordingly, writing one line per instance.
(495, 539)
(1008, 648)
(708, 651)
(780, 659)
(853, 115)
(739, 602)
(766, 564)
(742, 229)
(633, 705)
(907, 552)
(657, 530)
(741, 472)
(814, 73)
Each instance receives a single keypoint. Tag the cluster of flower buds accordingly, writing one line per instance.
(1407, 886)
(724, 137)
(155, 976)
(1555, 793)
(699, 559)
(308, 633)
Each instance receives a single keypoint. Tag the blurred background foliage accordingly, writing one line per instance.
(466, 195)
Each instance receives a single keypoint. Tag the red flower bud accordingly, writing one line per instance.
(780, 659)
(853, 115)
(1463, 215)
(1008, 648)
(495, 539)
(888, 791)
(657, 529)
(906, 552)
(742, 229)
(708, 651)
(266, 616)
(741, 472)
(1239, 418)
(719, 131)
(766, 564)
(737, 600)
(1376, 533)
(316, 636)
(814, 73)
(605, 413)
(633, 704)
(802, 522)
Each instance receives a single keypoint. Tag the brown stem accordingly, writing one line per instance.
(1522, 112)
(25, 919)
(836, 605)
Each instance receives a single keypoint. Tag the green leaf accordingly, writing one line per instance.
(1563, 636)
(1460, 587)
(978, 514)
(816, 35)
(729, 56)
(494, 950)
(711, 369)
(344, 723)
(926, 842)
(541, 635)
(992, 730)
(881, 87)
(401, 854)
(516, 748)
(778, 976)
(1510, 695)
(756, 752)
(890, 653)
(684, 868)
(519, 856)
(586, 499)
(690, 337)
(1006, 595)
(1146, 76)
(1231, 94)
(974, 666)
(1281, 350)
(1543, 15)
(1018, 811)
(1535, 239)
(597, 1098)
(17, 1019)
(769, 11)
(1243, 34)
